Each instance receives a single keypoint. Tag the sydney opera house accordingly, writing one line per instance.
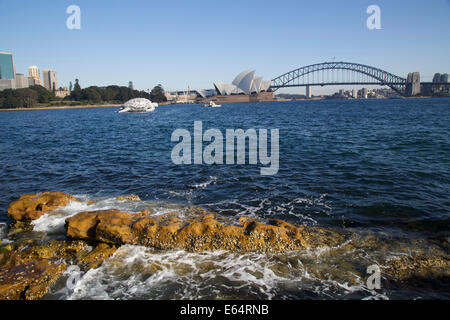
(245, 87)
(244, 83)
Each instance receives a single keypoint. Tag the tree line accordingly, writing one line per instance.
(39, 96)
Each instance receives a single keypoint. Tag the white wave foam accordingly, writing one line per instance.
(53, 222)
(3, 229)
(136, 272)
(212, 180)
(301, 208)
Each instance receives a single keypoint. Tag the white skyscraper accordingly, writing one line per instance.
(308, 92)
(50, 79)
(34, 76)
(21, 81)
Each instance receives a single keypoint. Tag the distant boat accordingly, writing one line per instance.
(212, 104)
(138, 105)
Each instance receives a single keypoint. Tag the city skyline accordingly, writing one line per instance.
(197, 44)
(10, 79)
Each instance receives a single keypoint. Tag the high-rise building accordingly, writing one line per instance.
(7, 71)
(50, 79)
(355, 93)
(34, 76)
(365, 93)
(437, 77)
(21, 81)
(308, 92)
(7, 84)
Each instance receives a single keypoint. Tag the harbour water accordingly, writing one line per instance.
(378, 169)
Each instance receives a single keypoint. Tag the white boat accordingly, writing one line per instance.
(138, 105)
(212, 104)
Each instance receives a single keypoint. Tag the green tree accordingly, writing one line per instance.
(27, 98)
(77, 86)
(76, 94)
(44, 96)
(125, 94)
(11, 102)
(157, 94)
(92, 95)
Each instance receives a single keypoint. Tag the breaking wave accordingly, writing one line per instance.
(3, 230)
(211, 180)
(136, 272)
(53, 222)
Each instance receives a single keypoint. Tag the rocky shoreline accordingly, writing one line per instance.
(30, 267)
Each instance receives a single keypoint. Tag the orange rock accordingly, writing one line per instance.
(30, 280)
(141, 224)
(33, 206)
(115, 233)
(112, 226)
(82, 226)
(96, 257)
(131, 197)
(201, 233)
(29, 268)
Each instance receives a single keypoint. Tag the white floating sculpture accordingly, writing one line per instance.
(138, 105)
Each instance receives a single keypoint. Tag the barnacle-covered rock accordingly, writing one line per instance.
(201, 233)
(29, 280)
(131, 197)
(32, 206)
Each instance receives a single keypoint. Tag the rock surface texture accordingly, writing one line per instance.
(32, 264)
(29, 269)
(32, 206)
(202, 233)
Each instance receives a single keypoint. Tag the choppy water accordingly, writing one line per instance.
(373, 167)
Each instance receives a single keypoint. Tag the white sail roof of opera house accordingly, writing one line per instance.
(226, 89)
(257, 84)
(240, 76)
(265, 85)
(245, 82)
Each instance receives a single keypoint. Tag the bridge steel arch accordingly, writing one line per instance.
(381, 77)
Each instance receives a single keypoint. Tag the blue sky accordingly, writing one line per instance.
(181, 43)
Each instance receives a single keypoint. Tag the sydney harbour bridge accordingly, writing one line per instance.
(348, 73)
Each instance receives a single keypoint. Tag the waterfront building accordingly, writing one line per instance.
(355, 93)
(437, 77)
(206, 93)
(34, 76)
(308, 92)
(244, 83)
(50, 79)
(21, 81)
(181, 96)
(62, 92)
(365, 93)
(7, 69)
(33, 82)
(7, 84)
